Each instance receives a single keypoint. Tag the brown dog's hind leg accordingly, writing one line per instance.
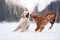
(51, 26)
(52, 22)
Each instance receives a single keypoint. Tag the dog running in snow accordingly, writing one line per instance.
(41, 21)
(24, 22)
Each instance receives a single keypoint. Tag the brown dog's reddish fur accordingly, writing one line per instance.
(43, 20)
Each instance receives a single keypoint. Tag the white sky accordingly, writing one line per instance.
(30, 4)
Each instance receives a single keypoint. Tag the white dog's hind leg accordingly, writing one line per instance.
(17, 28)
(27, 27)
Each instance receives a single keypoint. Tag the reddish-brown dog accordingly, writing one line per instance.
(43, 20)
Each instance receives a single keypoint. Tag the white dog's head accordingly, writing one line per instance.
(25, 14)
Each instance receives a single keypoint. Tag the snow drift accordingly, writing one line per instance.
(6, 32)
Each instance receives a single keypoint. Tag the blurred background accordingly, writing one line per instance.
(10, 10)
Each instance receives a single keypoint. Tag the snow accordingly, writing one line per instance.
(6, 32)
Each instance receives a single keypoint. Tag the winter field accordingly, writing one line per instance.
(6, 32)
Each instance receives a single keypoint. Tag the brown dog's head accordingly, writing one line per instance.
(32, 15)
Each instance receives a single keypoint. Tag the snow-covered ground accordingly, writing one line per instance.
(6, 32)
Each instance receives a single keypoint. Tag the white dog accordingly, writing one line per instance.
(24, 22)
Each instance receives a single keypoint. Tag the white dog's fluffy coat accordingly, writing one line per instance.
(24, 23)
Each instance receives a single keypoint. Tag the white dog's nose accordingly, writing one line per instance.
(27, 15)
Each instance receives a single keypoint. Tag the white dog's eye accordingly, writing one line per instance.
(25, 13)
